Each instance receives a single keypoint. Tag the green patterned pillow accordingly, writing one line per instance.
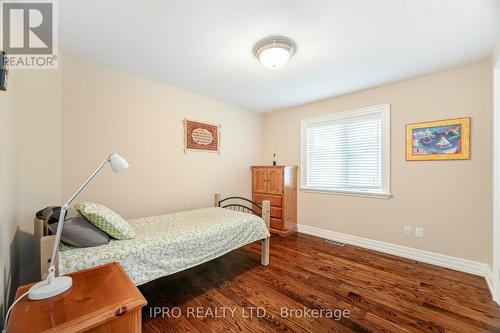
(106, 220)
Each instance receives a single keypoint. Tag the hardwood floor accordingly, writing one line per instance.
(382, 293)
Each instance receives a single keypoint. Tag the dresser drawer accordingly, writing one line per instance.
(276, 212)
(277, 224)
(275, 199)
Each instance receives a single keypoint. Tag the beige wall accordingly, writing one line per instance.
(30, 172)
(9, 245)
(39, 135)
(106, 110)
(451, 200)
(495, 249)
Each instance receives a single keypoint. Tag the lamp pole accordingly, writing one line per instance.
(62, 216)
(53, 285)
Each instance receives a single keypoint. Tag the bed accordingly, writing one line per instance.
(167, 244)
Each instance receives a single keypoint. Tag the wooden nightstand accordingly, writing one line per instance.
(102, 299)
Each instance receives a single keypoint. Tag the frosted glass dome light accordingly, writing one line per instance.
(274, 52)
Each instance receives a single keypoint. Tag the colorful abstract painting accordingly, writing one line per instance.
(438, 140)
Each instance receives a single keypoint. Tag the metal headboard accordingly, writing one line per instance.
(241, 207)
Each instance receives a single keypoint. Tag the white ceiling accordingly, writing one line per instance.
(343, 45)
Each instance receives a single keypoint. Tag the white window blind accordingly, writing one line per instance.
(346, 152)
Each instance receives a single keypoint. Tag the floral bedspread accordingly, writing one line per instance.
(167, 244)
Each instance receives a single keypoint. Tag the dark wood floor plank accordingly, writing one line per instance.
(348, 295)
(368, 284)
(249, 286)
(283, 297)
(406, 267)
(384, 263)
(417, 284)
(220, 298)
(408, 294)
(383, 293)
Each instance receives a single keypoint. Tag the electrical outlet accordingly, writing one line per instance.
(407, 230)
(419, 232)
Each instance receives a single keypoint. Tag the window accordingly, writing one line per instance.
(347, 152)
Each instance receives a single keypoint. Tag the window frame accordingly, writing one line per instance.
(385, 111)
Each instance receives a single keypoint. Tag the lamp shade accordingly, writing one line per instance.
(275, 51)
(118, 163)
(274, 58)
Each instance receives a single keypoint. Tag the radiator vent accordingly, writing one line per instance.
(334, 242)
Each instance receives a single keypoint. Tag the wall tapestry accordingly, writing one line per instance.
(201, 136)
(438, 140)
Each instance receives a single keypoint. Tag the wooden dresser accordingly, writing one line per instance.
(277, 184)
(102, 300)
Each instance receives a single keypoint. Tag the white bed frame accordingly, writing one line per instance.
(45, 242)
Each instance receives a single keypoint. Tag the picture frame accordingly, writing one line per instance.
(4, 73)
(438, 140)
(201, 136)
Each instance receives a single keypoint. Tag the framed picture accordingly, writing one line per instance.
(200, 136)
(3, 71)
(438, 140)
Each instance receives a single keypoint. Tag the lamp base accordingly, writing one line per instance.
(44, 289)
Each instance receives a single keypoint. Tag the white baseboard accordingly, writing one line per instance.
(489, 282)
(459, 264)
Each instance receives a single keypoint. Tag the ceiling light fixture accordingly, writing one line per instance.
(274, 52)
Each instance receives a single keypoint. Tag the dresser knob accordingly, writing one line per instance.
(120, 311)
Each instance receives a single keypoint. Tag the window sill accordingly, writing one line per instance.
(365, 194)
